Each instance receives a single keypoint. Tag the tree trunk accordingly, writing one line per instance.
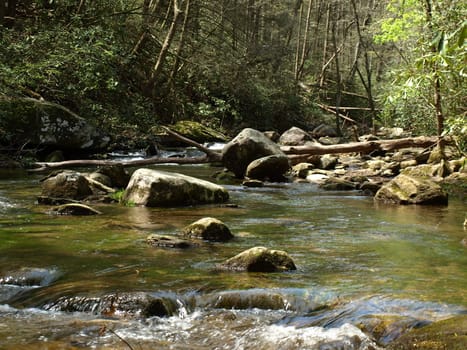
(367, 79)
(304, 52)
(166, 45)
(325, 47)
(2, 12)
(181, 43)
(437, 83)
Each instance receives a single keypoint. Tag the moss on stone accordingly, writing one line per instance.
(450, 334)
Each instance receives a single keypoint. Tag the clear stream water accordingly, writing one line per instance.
(357, 262)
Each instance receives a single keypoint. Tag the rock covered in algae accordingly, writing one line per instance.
(260, 259)
(209, 229)
(405, 189)
(447, 334)
(153, 188)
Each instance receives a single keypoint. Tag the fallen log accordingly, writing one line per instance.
(363, 147)
(45, 166)
(210, 157)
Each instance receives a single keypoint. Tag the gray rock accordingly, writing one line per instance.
(66, 184)
(301, 170)
(209, 229)
(294, 137)
(260, 259)
(117, 174)
(405, 189)
(247, 146)
(328, 162)
(155, 188)
(272, 168)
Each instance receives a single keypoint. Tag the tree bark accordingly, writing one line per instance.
(166, 45)
(364, 147)
(210, 157)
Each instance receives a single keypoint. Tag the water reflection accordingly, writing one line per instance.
(357, 261)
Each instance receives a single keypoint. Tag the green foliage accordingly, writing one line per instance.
(434, 50)
(117, 196)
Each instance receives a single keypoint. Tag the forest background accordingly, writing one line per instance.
(230, 64)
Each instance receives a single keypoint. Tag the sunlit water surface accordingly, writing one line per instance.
(356, 261)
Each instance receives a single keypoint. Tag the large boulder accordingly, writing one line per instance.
(270, 168)
(247, 146)
(294, 137)
(49, 124)
(66, 184)
(405, 189)
(154, 188)
(260, 259)
(209, 229)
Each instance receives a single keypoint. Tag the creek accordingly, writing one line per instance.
(358, 265)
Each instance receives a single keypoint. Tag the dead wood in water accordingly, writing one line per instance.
(45, 166)
(210, 157)
(295, 153)
(361, 147)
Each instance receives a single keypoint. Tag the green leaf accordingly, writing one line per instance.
(462, 34)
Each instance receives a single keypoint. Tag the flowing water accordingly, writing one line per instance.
(359, 265)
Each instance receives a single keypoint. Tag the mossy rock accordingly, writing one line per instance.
(259, 259)
(198, 132)
(450, 334)
(163, 241)
(209, 229)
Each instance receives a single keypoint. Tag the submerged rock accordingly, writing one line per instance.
(30, 276)
(155, 188)
(260, 259)
(117, 305)
(253, 183)
(248, 299)
(209, 229)
(75, 209)
(163, 241)
(447, 334)
(405, 189)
